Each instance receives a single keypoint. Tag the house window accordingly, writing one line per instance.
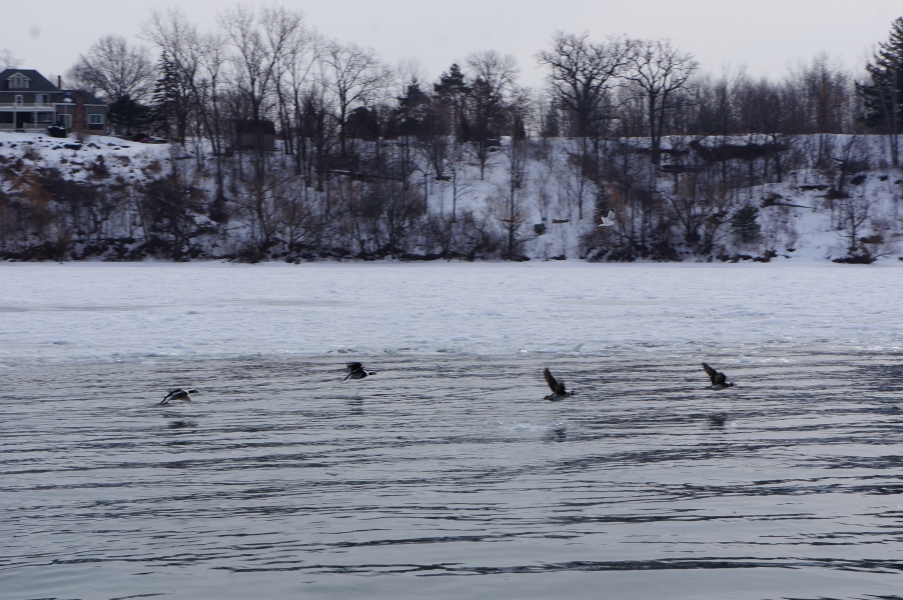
(19, 99)
(45, 117)
(65, 121)
(44, 99)
(95, 122)
(19, 82)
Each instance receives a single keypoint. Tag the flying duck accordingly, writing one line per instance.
(719, 380)
(557, 387)
(356, 371)
(179, 394)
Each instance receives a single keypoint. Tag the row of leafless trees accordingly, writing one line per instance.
(302, 146)
(322, 96)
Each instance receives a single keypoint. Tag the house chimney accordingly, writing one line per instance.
(80, 120)
(59, 81)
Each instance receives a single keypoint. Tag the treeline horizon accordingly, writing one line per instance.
(315, 144)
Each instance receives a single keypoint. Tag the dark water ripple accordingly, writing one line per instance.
(451, 477)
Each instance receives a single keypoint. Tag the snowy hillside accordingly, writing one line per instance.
(97, 157)
(833, 198)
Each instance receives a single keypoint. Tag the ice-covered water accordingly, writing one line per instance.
(446, 475)
(98, 311)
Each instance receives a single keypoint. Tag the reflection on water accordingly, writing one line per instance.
(281, 478)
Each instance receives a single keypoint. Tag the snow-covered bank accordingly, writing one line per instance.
(835, 197)
(128, 311)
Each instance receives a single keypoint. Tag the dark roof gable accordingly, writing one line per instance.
(37, 82)
(70, 94)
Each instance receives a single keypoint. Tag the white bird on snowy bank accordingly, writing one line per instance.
(608, 221)
(178, 394)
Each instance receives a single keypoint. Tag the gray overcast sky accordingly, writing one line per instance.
(767, 36)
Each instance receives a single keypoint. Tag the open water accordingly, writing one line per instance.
(449, 476)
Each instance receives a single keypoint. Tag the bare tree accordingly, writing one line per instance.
(293, 90)
(659, 71)
(827, 90)
(459, 185)
(581, 74)
(494, 78)
(8, 60)
(112, 69)
(519, 108)
(823, 93)
(354, 75)
(263, 43)
(498, 71)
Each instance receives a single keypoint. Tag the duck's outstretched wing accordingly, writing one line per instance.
(352, 368)
(170, 396)
(555, 385)
(716, 377)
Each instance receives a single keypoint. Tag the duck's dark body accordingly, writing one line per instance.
(177, 394)
(719, 380)
(558, 390)
(356, 371)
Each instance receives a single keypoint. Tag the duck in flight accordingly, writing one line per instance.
(719, 380)
(557, 387)
(178, 394)
(356, 371)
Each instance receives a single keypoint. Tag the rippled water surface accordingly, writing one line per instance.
(450, 477)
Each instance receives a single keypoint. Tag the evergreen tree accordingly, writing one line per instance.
(883, 97)
(452, 92)
(486, 109)
(744, 223)
(363, 124)
(412, 114)
(129, 113)
(172, 99)
(551, 123)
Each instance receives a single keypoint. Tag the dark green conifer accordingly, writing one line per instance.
(171, 102)
(883, 97)
(452, 91)
(744, 223)
(129, 113)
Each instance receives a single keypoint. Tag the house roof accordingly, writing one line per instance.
(89, 97)
(37, 82)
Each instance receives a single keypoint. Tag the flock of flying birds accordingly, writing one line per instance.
(559, 391)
